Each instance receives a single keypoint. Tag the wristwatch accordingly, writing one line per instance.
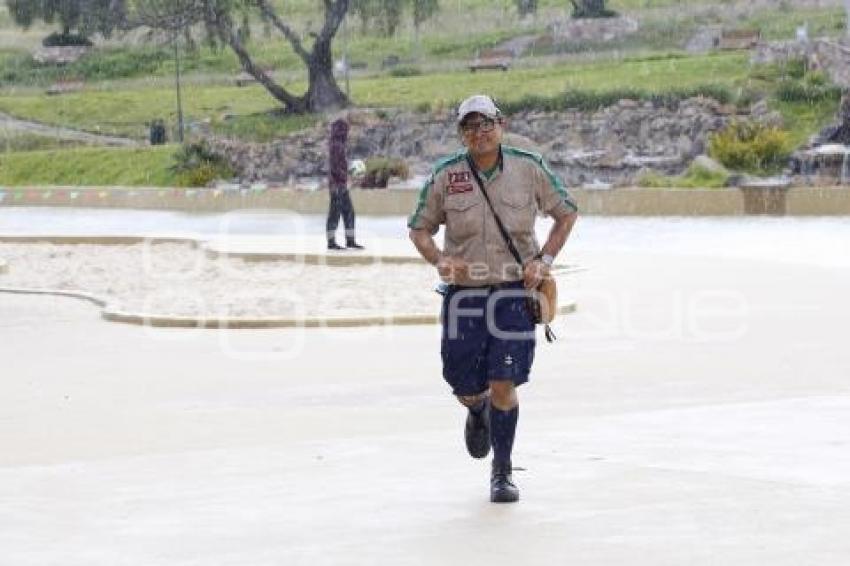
(545, 258)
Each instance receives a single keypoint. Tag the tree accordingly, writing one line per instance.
(84, 16)
(591, 9)
(423, 10)
(385, 16)
(227, 22)
(526, 7)
(172, 16)
(847, 9)
(382, 15)
(176, 18)
(322, 89)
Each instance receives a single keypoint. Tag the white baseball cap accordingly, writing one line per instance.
(480, 103)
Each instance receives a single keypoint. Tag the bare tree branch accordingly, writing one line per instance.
(287, 32)
(224, 26)
(335, 11)
(170, 15)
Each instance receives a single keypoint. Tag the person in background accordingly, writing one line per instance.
(340, 199)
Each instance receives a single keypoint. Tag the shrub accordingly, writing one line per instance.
(57, 39)
(405, 71)
(120, 63)
(694, 178)
(815, 87)
(99, 64)
(750, 146)
(200, 176)
(196, 165)
(666, 56)
(795, 68)
(697, 176)
(772, 72)
(590, 101)
(380, 169)
(671, 98)
(592, 9)
(747, 97)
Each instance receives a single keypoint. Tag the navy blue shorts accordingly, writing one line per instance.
(488, 335)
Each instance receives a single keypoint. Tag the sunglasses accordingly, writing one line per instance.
(485, 125)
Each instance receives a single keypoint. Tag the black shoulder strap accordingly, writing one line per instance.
(550, 336)
(507, 237)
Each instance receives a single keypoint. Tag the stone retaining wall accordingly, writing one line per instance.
(613, 145)
(578, 30)
(831, 56)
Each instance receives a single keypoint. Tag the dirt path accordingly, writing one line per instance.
(15, 124)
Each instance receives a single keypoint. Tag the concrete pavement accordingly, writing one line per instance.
(694, 411)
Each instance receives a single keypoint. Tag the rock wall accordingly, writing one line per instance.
(612, 145)
(831, 56)
(59, 55)
(580, 30)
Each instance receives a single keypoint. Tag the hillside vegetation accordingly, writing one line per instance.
(129, 82)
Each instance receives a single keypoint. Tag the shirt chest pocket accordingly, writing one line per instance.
(517, 210)
(463, 215)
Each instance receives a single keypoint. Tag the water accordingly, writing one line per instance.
(821, 241)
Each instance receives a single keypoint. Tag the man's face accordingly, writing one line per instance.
(481, 134)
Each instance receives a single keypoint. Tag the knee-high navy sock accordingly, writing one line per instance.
(502, 431)
(478, 407)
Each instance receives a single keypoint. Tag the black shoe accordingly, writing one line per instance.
(332, 245)
(350, 243)
(502, 488)
(477, 431)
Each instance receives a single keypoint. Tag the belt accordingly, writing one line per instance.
(490, 288)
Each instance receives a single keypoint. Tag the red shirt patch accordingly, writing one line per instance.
(460, 177)
(458, 189)
(460, 182)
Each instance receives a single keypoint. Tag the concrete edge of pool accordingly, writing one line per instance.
(114, 314)
(621, 201)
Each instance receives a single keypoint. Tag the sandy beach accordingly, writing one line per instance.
(181, 280)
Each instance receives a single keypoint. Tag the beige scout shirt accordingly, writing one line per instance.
(519, 189)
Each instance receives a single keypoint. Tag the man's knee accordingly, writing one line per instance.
(471, 400)
(503, 395)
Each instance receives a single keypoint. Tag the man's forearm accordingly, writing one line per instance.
(425, 245)
(558, 234)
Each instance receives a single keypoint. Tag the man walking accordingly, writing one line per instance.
(488, 334)
(340, 200)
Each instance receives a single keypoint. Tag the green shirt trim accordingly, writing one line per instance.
(488, 174)
(538, 159)
(423, 192)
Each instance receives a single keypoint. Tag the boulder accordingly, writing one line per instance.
(708, 164)
(521, 142)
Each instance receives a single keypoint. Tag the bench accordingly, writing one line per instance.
(739, 39)
(492, 59)
(390, 61)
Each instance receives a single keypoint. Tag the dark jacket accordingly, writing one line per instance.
(337, 160)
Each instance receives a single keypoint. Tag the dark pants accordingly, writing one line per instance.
(340, 206)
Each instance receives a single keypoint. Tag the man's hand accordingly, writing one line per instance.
(534, 273)
(451, 268)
